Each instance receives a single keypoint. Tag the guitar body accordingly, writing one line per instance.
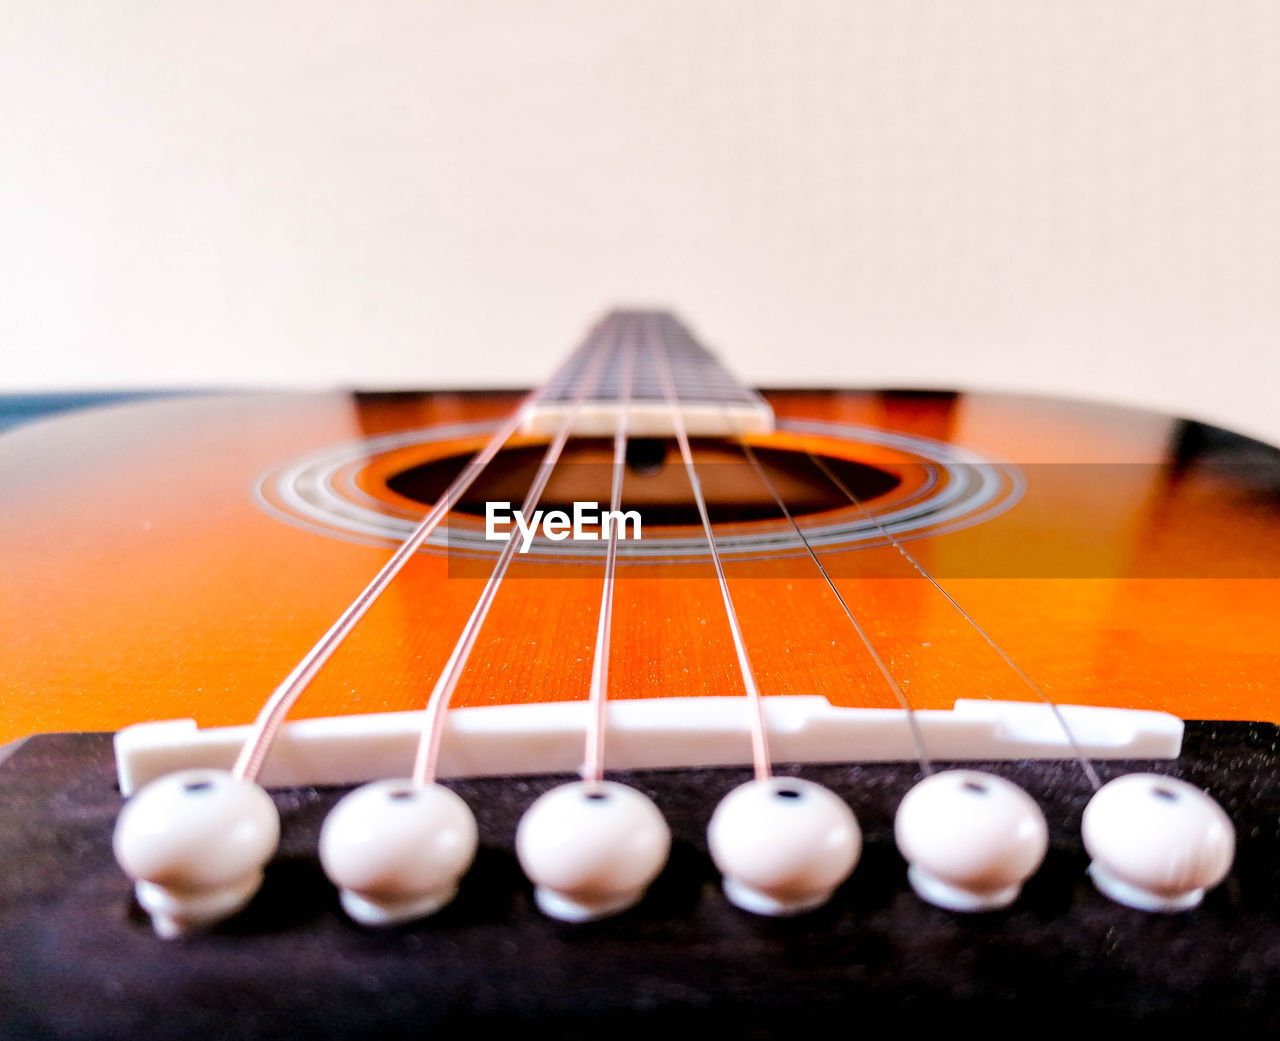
(175, 558)
(153, 569)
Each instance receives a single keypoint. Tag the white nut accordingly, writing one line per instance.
(783, 845)
(195, 843)
(591, 849)
(1157, 843)
(397, 850)
(971, 839)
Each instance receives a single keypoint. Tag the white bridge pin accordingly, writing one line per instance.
(971, 839)
(1157, 843)
(397, 850)
(783, 845)
(195, 843)
(591, 849)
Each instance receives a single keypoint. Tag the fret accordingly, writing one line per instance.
(712, 401)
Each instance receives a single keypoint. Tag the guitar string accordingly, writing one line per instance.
(593, 756)
(759, 730)
(276, 708)
(917, 736)
(428, 755)
(1085, 764)
(913, 723)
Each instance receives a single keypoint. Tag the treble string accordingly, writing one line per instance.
(917, 736)
(759, 731)
(1085, 765)
(428, 755)
(593, 758)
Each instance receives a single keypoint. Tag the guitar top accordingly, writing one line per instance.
(176, 558)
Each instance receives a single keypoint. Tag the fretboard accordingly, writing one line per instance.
(647, 345)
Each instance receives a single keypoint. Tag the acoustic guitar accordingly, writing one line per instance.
(769, 712)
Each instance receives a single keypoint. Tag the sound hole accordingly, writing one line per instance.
(655, 483)
(646, 455)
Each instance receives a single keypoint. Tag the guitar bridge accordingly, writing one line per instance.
(656, 733)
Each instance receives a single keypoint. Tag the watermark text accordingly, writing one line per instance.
(557, 525)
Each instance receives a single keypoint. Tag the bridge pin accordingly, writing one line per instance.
(971, 839)
(195, 843)
(783, 845)
(591, 849)
(397, 850)
(1157, 843)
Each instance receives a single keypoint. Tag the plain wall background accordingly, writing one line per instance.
(1074, 197)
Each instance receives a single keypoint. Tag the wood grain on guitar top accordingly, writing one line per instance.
(1128, 559)
(142, 580)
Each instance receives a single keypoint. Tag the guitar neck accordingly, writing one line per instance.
(649, 366)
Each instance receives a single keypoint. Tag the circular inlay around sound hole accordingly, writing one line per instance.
(655, 484)
(912, 487)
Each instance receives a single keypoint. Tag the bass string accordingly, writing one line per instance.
(277, 707)
(275, 710)
(428, 755)
(1085, 764)
(917, 736)
(759, 731)
(593, 756)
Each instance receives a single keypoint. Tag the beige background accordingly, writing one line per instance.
(1080, 197)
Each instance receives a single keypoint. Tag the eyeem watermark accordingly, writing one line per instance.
(558, 525)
